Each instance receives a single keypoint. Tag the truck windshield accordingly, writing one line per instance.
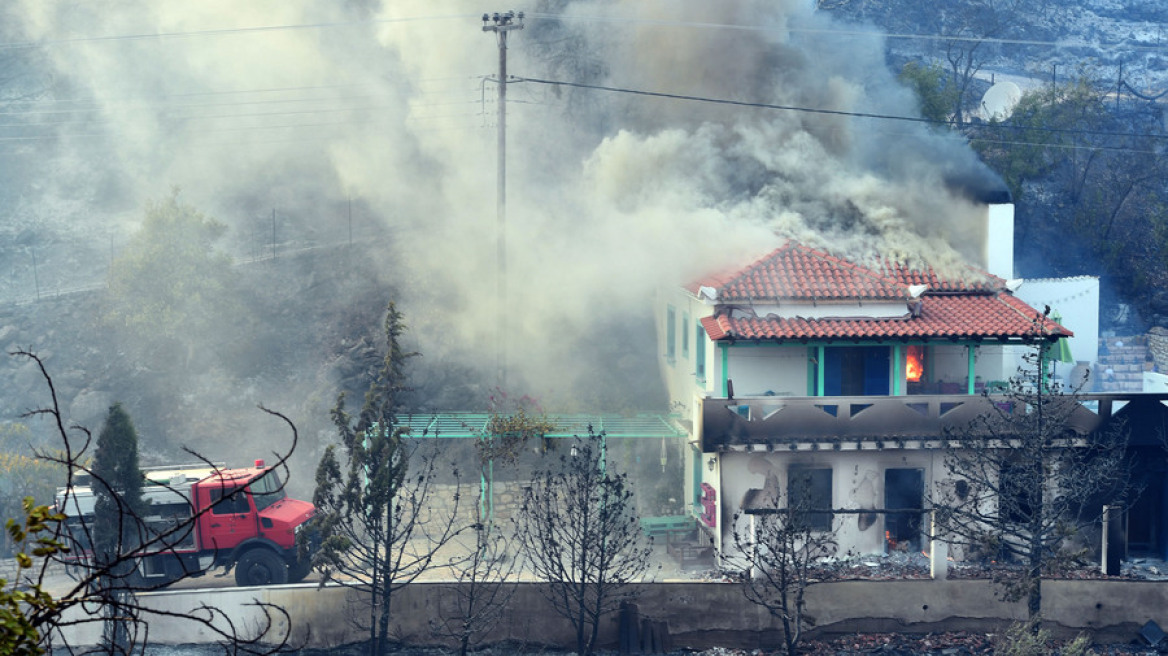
(267, 490)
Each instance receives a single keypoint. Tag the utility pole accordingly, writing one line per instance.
(501, 24)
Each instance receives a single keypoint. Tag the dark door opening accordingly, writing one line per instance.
(856, 371)
(1145, 526)
(904, 489)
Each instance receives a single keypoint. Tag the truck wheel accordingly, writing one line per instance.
(297, 572)
(261, 567)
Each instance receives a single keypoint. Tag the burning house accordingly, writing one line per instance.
(846, 375)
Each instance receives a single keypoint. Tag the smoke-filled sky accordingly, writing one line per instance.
(609, 194)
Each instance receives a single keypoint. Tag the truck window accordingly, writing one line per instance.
(229, 501)
(267, 490)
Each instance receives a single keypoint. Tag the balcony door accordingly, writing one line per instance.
(857, 370)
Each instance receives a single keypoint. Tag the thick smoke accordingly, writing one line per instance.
(609, 195)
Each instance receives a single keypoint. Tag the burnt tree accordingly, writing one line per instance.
(579, 531)
(778, 543)
(1023, 481)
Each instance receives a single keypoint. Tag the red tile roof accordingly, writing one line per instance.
(795, 271)
(978, 308)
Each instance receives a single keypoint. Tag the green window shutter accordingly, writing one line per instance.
(671, 334)
(700, 353)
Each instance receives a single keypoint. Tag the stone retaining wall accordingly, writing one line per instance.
(695, 615)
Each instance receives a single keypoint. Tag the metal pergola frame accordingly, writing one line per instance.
(461, 425)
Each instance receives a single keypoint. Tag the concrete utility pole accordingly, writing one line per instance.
(501, 24)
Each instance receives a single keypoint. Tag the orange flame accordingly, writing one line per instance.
(913, 368)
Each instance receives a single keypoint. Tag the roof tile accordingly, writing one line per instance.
(977, 308)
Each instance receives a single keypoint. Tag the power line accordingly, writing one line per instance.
(230, 31)
(259, 29)
(814, 110)
(843, 32)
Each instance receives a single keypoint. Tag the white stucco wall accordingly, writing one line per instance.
(998, 248)
(678, 373)
(1076, 300)
(829, 310)
(857, 483)
(759, 370)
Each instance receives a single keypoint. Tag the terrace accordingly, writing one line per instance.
(873, 422)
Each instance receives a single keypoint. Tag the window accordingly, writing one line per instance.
(671, 334)
(685, 336)
(700, 353)
(267, 490)
(229, 501)
(809, 490)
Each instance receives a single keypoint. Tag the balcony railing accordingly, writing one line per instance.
(771, 420)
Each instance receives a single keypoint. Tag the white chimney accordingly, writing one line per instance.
(998, 253)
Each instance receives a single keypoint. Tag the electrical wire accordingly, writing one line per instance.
(831, 112)
(230, 31)
(842, 32)
(610, 18)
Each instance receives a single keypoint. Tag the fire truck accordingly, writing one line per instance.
(199, 517)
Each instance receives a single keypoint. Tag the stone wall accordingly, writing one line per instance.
(1158, 348)
(696, 615)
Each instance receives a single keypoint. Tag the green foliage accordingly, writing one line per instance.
(1030, 639)
(23, 474)
(25, 608)
(1043, 132)
(373, 524)
(934, 89)
(1079, 165)
(512, 423)
(170, 283)
(117, 487)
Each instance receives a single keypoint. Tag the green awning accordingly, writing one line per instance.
(1060, 350)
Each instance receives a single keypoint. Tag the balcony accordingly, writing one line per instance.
(850, 422)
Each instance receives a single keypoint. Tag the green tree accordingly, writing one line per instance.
(171, 287)
(375, 523)
(579, 530)
(118, 529)
(935, 91)
(119, 495)
(1079, 165)
(23, 474)
(27, 610)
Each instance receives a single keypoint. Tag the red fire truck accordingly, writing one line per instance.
(198, 517)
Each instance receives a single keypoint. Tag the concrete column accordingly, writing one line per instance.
(1114, 542)
(938, 551)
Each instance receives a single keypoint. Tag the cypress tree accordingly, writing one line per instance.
(117, 529)
(117, 486)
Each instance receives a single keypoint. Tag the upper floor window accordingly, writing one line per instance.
(685, 336)
(671, 334)
(700, 353)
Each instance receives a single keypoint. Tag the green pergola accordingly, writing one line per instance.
(474, 425)
(462, 425)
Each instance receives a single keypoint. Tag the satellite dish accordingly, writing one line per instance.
(999, 102)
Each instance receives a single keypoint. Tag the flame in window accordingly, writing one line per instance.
(914, 363)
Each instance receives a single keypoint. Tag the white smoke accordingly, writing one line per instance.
(609, 195)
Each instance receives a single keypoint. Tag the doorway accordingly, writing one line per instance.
(904, 489)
